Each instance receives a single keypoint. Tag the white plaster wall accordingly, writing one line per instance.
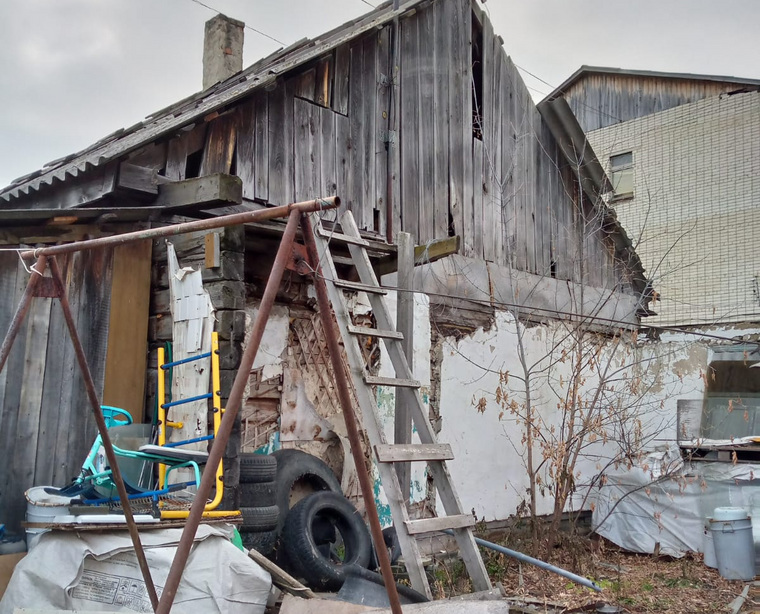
(274, 341)
(489, 467)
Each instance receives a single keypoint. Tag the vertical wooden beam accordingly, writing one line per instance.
(124, 384)
(402, 427)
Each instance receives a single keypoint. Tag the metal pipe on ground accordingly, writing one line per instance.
(231, 411)
(524, 558)
(92, 395)
(341, 383)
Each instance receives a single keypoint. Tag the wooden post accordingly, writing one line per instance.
(402, 428)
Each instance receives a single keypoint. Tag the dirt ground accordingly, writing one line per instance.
(635, 583)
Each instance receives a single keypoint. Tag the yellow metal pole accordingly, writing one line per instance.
(162, 426)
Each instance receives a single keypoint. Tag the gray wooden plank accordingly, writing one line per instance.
(28, 424)
(369, 131)
(454, 10)
(478, 217)
(66, 465)
(9, 266)
(394, 142)
(245, 147)
(382, 108)
(397, 453)
(176, 158)
(465, 93)
(402, 424)
(340, 87)
(56, 402)
(343, 175)
(409, 123)
(281, 179)
(440, 143)
(489, 119)
(306, 122)
(426, 130)
(11, 400)
(442, 523)
(512, 242)
(328, 180)
(499, 196)
(261, 156)
(356, 114)
(93, 271)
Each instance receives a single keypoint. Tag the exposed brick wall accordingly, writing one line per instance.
(696, 206)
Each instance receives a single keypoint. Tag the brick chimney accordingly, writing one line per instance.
(222, 49)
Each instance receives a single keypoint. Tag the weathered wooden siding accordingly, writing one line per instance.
(602, 99)
(46, 424)
(475, 161)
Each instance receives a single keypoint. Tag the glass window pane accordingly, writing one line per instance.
(622, 181)
(624, 159)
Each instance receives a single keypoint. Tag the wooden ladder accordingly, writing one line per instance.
(429, 450)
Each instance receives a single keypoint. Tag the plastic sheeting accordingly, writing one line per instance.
(664, 501)
(99, 572)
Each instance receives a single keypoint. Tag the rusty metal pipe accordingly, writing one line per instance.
(319, 204)
(21, 311)
(103, 430)
(230, 412)
(352, 428)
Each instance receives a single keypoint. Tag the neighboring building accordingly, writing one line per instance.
(683, 155)
(421, 123)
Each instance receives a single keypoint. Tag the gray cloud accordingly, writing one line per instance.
(75, 70)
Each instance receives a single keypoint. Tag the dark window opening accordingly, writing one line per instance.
(376, 220)
(732, 397)
(477, 79)
(193, 164)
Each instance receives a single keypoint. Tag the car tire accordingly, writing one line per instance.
(307, 556)
(257, 468)
(299, 473)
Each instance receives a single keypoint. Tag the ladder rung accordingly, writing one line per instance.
(400, 453)
(355, 285)
(343, 260)
(428, 525)
(375, 332)
(338, 236)
(374, 380)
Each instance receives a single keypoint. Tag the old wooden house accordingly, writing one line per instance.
(421, 123)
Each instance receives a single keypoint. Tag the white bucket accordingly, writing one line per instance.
(42, 507)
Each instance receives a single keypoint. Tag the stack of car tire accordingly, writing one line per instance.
(258, 502)
(300, 518)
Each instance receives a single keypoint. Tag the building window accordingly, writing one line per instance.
(621, 174)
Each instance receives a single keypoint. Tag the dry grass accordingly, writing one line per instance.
(636, 583)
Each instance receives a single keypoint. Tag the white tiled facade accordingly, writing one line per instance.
(695, 206)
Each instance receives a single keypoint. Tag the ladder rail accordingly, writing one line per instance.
(411, 396)
(371, 423)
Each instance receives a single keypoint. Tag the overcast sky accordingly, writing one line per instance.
(76, 70)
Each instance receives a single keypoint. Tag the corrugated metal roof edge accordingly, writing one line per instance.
(585, 69)
(188, 110)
